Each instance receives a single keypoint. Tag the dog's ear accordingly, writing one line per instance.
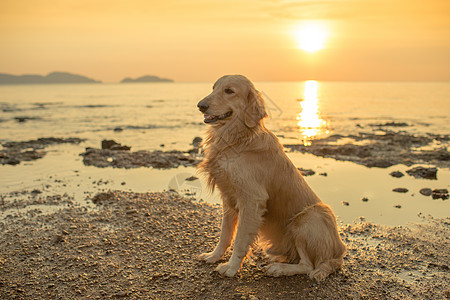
(255, 110)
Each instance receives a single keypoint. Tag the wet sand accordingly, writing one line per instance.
(144, 245)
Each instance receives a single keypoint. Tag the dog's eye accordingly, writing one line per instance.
(229, 91)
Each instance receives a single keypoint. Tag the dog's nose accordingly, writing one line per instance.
(203, 106)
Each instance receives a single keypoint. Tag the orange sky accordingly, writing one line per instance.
(199, 40)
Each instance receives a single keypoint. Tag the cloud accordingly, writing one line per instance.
(355, 9)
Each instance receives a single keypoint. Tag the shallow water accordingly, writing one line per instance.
(152, 115)
(62, 171)
(166, 113)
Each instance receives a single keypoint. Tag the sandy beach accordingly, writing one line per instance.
(144, 245)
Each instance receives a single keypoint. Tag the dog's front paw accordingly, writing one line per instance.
(227, 269)
(274, 270)
(209, 257)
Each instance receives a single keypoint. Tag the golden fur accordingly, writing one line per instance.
(263, 194)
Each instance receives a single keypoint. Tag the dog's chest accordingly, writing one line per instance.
(224, 169)
(223, 166)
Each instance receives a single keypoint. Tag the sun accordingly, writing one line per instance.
(311, 37)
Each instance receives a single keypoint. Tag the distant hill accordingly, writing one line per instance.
(52, 78)
(147, 78)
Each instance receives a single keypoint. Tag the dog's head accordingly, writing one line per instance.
(234, 98)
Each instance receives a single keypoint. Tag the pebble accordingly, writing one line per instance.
(400, 190)
(306, 172)
(113, 145)
(397, 174)
(426, 191)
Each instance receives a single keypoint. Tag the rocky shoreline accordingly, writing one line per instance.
(368, 149)
(137, 246)
(13, 153)
(379, 150)
(113, 154)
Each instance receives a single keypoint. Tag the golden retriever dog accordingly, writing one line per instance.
(264, 196)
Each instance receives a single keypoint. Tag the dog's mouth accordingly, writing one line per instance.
(213, 119)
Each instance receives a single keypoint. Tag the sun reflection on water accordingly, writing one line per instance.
(309, 121)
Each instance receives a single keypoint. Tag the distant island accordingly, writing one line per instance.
(147, 78)
(65, 78)
(52, 78)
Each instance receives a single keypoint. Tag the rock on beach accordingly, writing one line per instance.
(426, 191)
(113, 145)
(440, 194)
(306, 172)
(422, 172)
(400, 190)
(113, 154)
(397, 174)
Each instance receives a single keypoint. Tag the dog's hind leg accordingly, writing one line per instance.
(326, 268)
(282, 269)
(317, 242)
(316, 227)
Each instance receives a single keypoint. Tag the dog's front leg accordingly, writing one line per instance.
(250, 219)
(229, 220)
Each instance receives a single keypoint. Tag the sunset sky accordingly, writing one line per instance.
(200, 40)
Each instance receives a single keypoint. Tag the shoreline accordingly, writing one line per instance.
(144, 245)
(63, 168)
(374, 150)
